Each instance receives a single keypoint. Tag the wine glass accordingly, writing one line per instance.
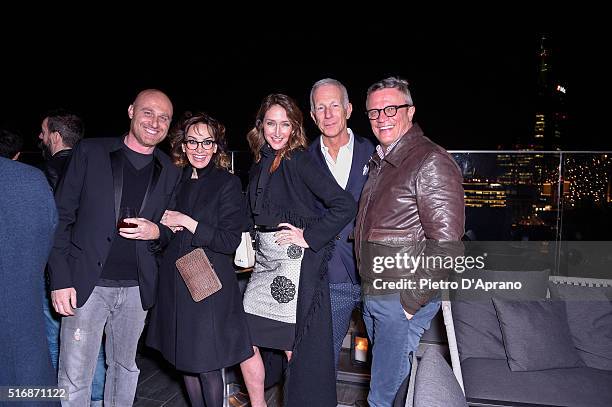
(124, 213)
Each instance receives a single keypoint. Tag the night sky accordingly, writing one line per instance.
(472, 90)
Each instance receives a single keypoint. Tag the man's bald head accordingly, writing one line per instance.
(150, 114)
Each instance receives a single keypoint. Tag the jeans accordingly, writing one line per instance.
(393, 338)
(52, 327)
(344, 298)
(116, 311)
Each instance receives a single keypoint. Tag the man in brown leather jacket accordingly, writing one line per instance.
(413, 199)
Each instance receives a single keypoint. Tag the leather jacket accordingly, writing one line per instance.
(413, 197)
(55, 166)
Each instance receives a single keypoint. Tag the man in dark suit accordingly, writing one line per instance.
(103, 280)
(28, 218)
(344, 156)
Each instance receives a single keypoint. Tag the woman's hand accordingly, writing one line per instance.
(176, 220)
(292, 235)
(164, 221)
(175, 229)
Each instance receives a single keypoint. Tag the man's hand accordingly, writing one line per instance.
(64, 301)
(144, 230)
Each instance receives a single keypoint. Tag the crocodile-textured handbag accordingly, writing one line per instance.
(198, 274)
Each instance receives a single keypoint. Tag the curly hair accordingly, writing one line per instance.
(297, 138)
(178, 135)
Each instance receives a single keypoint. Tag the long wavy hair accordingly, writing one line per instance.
(297, 138)
(179, 134)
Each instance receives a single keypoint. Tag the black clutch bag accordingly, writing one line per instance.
(199, 275)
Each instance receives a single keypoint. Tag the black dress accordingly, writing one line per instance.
(210, 334)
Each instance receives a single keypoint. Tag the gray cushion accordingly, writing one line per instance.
(536, 335)
(435, 383)
(476, 325)
(487, 379)
(477, 330)
(589, 315)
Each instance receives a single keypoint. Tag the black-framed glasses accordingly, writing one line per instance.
(193, 144)
(390, 111)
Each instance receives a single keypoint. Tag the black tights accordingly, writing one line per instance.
(205, 389)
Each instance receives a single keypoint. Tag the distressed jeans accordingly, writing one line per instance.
(52, 328)
(116, 311)
(393, 338)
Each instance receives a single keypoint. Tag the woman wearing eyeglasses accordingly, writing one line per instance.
(201, 338)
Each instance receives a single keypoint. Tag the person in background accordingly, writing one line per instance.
(201, 338)
(60, 131)
(28, 217)
(344, 156)
(287, 297)
(10, 144)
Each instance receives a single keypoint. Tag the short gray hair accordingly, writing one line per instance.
(394, 82)
(329, 81)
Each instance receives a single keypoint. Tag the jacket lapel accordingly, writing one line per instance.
(356, 167)
(116, 158)
(157, 168)
(319, 154)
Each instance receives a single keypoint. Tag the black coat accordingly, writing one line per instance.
(291, 196)
(210, 334)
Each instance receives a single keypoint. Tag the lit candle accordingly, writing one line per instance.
(361, 349)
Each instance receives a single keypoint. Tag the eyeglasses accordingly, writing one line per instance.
(390, 111)
(193, 144)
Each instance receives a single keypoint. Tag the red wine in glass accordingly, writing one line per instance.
(126, 212)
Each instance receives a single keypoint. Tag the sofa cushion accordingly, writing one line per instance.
(475, 320)
(589, 316)
(435, 384)
(477, 330)
(489, 379)
(536, 335)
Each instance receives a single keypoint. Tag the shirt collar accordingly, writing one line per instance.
(383, 152)
(348, 146)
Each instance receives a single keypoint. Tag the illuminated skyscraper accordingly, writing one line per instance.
(550, 124)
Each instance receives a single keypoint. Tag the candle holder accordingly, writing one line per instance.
(361, 353)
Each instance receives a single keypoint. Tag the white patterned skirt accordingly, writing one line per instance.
(273, 288)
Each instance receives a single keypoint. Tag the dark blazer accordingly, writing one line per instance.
(210, 334)
(28, 218)
(88, 199)
(342, 267)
